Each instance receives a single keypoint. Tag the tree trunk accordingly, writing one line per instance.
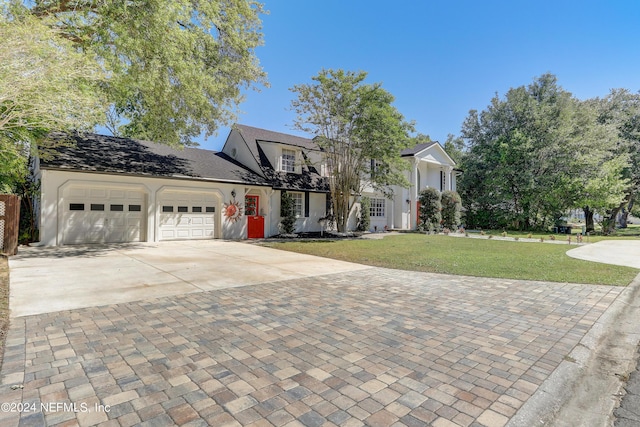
(609, 225)
(623, 217)
(625, 213)
(588, 218)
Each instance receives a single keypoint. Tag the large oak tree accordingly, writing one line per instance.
(536, 153)
(162, 70)
(175, 67)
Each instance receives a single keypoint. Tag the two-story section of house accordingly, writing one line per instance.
(290, 164)
(103, 189)
(428, 165)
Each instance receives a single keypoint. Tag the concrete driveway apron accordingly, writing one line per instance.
(366, 346)
(54, 279)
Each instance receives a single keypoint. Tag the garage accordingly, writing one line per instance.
(102, 214)
(187, 215)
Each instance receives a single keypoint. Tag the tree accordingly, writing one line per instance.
(430, 213)
(620, 111)
(176, 68)
(45, 85)
(287, 213)
(451, 207)
(365, 214)
(531, 156)
(454, 146)
(360, 132)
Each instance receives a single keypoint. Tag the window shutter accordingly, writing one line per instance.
(327, 204)
(306, 204)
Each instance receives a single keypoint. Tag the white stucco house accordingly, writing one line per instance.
(106, 189)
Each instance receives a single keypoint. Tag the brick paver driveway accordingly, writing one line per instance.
(375, 347)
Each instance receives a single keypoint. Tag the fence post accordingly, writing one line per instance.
(9, 223)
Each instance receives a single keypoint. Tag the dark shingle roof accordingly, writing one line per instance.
(308, 180)
(253, 135)
(416, 149)
(107, 154)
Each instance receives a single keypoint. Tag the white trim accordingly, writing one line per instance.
(441, 148)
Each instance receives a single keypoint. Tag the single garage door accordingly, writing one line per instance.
(101, 214)
(186, 215)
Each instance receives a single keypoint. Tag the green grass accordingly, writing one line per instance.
(470, 257)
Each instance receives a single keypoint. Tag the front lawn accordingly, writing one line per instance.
(469, 257)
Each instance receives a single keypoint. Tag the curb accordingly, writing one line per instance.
(586, 387)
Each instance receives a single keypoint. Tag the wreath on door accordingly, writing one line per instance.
(232, 211)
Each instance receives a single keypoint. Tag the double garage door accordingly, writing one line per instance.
(101, 214)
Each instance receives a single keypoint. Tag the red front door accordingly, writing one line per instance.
(255, 222)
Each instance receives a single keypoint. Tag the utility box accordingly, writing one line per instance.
(9, 223)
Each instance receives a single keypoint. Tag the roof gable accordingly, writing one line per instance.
(308, 180)
(430, 151)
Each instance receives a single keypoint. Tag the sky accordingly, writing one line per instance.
(442, 58)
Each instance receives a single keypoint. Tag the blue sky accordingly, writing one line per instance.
(441, 59)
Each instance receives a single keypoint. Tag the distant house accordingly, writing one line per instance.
(106, 189)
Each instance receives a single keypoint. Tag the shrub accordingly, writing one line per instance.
(451, 207)
(287, 214)
(430, 210)
(364, 220)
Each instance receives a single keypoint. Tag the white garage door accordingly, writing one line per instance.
(186, 215)
(100, 214)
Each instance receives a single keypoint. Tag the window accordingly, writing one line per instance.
(298, 202)
(167, 209)
(251, 205)
(196, 209)
(373, 167)
(116, 208)
(210, 209)
(97, 207)
(76, 206)
(183, 209)
(377, 207)
(134, 208)
(288, 163)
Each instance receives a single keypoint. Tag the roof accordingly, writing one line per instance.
(308, 180)
(108, 154)
(416, 149)
(253, 135)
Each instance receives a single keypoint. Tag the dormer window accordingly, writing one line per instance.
(288, 161)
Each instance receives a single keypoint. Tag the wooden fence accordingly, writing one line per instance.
(9, 223)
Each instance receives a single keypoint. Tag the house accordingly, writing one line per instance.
(109, 189)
